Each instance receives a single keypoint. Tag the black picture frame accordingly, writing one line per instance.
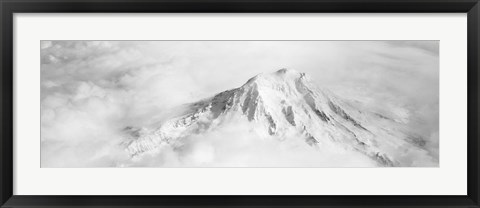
(9, 7)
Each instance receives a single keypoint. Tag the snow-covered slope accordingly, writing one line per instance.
(282, 104)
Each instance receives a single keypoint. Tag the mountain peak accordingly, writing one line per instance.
(285, 71)
(283, 75)
(275, 105)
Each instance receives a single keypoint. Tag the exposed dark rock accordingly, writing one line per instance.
(339, 111)
(272, 126)
(311, 140)
(383, 159)
(322, 115)
(289, 115)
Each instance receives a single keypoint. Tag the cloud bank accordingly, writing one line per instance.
(90, 90)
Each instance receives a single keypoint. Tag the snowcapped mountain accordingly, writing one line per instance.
(282, 104)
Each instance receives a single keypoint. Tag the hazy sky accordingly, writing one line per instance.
(90, 89)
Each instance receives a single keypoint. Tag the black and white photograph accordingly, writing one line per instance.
(239, 104)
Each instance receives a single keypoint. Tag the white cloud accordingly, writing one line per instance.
(92, 89)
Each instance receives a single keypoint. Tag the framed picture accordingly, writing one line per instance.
(264, 103)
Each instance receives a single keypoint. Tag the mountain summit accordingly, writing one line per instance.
(279, 105)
